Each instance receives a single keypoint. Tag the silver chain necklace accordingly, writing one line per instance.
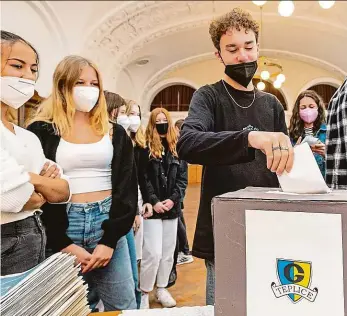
(240, 106)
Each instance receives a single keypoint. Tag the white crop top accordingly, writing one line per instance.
(88, 166)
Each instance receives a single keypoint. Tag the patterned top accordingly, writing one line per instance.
(336, 143)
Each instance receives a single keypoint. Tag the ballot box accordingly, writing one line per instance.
(280, 254)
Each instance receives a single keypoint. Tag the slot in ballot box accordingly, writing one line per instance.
(280, 254)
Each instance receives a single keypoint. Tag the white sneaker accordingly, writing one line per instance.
(183, 259)
(164, 297)
(144, 301)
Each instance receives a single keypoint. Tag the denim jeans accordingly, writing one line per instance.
(210, 282)
(133, 258)
(113, 284)
(22, 245)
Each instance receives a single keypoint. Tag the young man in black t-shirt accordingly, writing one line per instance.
(235, 131)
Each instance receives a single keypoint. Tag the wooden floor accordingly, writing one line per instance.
(189, 289)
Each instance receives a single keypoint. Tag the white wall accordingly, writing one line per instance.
(56, 29)
(26, 20)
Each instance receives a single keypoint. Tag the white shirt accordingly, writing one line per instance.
(20, 153)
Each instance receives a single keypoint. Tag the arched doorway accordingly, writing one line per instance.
(175, 98)
(271, 89)
(326, 91)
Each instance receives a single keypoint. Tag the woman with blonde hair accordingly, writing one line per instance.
(73, 127)
(137, 135)
(161, 177)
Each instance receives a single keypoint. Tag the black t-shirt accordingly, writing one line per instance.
(215, 135)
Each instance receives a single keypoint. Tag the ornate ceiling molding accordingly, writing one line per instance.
(126, 32)
(133, 24)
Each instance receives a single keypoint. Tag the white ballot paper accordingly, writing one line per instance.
(305, 177)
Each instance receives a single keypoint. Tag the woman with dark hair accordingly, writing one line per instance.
(28, 179)
(113, 101)
(308, 120)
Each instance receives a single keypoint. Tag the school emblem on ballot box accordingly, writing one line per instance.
(295, 279)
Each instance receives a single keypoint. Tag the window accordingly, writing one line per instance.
(173, 98)
(326, 91)
(271, 89)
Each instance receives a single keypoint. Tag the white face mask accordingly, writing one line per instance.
(124, 121)
(85, 98)
(135, 123)
(16, 91)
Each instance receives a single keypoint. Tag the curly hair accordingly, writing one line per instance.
(297, 125)
(236, 19)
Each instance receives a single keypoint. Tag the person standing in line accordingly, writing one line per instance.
(28, 179)
(182, 253)
(161, 177)
(308, 119)
(73, 127)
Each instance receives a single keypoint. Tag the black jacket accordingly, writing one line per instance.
(215, 135)
(158, 184)
(124, 190)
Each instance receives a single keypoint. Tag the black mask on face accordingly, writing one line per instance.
(162, 128)
(241, 73)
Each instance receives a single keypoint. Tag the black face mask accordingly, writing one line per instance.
(241, 73)
(162, 128)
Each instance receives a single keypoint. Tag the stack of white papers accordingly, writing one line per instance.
(178, 311)
(52, 288)
(305, 177)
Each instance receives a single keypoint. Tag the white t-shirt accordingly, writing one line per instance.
(23, 151)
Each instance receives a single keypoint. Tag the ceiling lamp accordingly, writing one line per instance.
(277, 84)
(269, 68)
(261, 85)
(286, 8)
(265, 75)
(281, 78)
(324, 4)
(261, 3)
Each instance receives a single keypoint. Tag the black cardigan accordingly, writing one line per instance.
(158, 184)
(124, 190)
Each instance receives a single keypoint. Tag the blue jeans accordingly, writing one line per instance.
(113, 284)
(132, 252)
